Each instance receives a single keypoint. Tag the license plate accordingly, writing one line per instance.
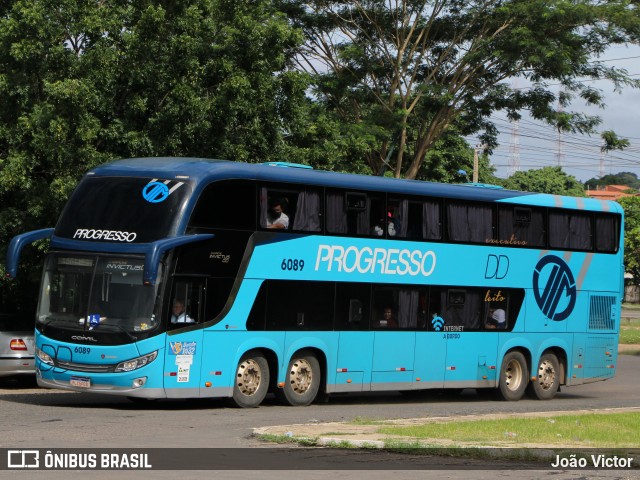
(80, 382)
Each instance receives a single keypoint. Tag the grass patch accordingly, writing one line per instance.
(307, 442)
(620, 430)
(629, 335)
(365, 421)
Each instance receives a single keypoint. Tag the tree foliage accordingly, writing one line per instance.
(629, 179)
(631, 207)
(552, 180)
(408, 70)
(83, 82)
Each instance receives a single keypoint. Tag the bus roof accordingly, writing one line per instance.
(202, 171)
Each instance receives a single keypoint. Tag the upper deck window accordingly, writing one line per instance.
(470, 222)
(415, 218)
(123, 209)
(228, 204)
(607, 232)
(521, 226)
(290, 208)
(569, 230)
(356, 213)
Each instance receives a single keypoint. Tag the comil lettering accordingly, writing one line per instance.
(113, 235)
(385, 261)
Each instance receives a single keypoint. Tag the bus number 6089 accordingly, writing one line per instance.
(292, 264)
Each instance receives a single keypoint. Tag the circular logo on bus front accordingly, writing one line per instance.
(155, 192)
(554, 288)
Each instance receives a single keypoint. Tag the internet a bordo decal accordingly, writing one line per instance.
(554, 287)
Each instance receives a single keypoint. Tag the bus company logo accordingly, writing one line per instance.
(554, 288)
(157, 192)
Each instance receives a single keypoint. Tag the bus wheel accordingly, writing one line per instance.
(514, 376)
(251, 382)
(547, 382)
(303, 380)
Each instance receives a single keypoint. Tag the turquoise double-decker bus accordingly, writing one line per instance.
(191, 278)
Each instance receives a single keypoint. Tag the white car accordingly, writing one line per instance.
(16, 345)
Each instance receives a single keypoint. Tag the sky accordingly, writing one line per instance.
(580, 155)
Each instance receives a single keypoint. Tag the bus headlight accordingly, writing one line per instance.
(43, 357)
(136, 363)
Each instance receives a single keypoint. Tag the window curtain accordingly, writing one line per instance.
(431, 221)
(606, 234)
(408, 305)
(336, 215)
(580, 232)
(532, 233)
(363, 223)
(402, 215)
(470, 223)
(466, 315)
(263, 207)
(558, 230)
(308, 212)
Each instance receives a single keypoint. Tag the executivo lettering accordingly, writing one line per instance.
(385, 261)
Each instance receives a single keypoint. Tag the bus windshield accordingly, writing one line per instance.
(97, 293)
(123, 210)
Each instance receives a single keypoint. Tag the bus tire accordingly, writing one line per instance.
(514, 376)
(547, 381)
(251, 381)
(303, 379)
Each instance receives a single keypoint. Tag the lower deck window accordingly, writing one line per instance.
(292, 305)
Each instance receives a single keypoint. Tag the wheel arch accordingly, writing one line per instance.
(320, 355)
(561, 354)
(524, 350)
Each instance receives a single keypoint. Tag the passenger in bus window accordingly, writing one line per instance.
(276, 218)
(392, 225)
(496, 320)
(388, 319)
(179, 314)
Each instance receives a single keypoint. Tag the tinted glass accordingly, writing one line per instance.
(229, 205)
(607, 228)
(122, 210)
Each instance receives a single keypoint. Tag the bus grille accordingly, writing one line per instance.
(83, 367)
(601, 313)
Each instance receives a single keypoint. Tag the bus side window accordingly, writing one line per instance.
(294, 208)
(460, 307)
(352, 306)
(496, 309)
(398, 307)
(355, 213)
(187, 301)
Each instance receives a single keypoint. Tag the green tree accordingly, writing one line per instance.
(84, 82)
(629, 179)
(552, 180)
(408, 70)
(631, 207)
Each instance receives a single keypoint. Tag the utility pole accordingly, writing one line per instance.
(476, 151)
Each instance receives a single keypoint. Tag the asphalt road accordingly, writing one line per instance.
(37, 418)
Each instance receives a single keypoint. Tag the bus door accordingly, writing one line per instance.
(355, 343)
(396, 313)
(184, 347)
(430, 356)
(431, 344)
(471, 332)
